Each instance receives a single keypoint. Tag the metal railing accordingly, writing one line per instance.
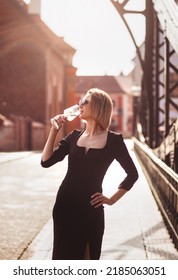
(163, 182)
(168, 149)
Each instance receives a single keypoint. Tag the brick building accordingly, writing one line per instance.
(36, 72)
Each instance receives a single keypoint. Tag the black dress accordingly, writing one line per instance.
(76, 222)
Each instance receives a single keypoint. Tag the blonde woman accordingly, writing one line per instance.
(78, 213)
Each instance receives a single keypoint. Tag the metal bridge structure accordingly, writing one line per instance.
(156, 122)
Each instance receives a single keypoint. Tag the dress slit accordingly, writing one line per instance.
(87, 252)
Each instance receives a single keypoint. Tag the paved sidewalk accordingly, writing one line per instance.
(134, 227)
(11, 156)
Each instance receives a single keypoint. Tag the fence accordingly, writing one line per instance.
(163, 180)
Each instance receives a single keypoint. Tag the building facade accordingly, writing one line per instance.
(36, 69)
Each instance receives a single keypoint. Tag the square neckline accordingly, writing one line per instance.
(89, 149)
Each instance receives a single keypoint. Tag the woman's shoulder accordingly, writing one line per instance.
(77, 132)
(115, 135)
(115, 139)
(74, 133)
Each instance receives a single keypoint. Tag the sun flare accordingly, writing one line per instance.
(97, 32)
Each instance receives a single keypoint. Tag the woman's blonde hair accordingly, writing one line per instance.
(101, 107)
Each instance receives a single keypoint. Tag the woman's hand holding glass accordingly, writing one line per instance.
(58, 121)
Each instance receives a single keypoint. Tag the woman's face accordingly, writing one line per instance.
(85, 108)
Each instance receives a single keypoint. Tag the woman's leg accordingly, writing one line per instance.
(87, 252)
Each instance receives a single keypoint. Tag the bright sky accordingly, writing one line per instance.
(95, 29)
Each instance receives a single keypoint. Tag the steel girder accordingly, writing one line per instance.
(146, 100)
(165, 73)
(159, 94)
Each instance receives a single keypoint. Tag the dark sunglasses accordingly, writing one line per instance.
(83, 102)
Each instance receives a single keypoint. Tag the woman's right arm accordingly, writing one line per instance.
(49, 146)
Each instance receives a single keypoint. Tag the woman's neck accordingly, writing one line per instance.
(93, 129)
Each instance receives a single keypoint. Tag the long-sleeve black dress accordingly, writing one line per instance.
(76, 221)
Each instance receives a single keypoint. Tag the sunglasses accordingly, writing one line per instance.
(83, 102)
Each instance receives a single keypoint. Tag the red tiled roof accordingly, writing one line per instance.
(106, 83)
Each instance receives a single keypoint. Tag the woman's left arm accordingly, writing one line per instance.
(98, 199)
(121, 154)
